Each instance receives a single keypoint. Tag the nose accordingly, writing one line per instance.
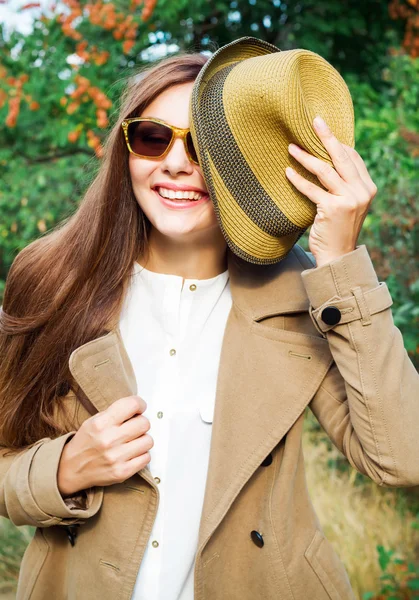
(176, 160)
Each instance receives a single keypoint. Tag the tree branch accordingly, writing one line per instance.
(48, 157)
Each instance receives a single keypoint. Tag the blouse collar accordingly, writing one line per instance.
(160, 278)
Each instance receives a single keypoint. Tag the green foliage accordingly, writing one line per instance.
(386, 124)
(68, 80)
(34, 199)
(399, 579)
(13, 542)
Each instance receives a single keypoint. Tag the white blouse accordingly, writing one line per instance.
(173, 332)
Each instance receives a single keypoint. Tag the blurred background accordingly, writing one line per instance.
(62, 68)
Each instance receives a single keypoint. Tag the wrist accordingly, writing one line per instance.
(66, 484)
(325, 259)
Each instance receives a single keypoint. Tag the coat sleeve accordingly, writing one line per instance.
(29, 493)
(368, 403)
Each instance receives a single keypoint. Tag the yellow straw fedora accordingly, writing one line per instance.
(249, 102)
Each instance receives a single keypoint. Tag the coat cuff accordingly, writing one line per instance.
(350, 285)
(43, 487)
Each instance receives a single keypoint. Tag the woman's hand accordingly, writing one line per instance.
(342, 209)
(108, 448)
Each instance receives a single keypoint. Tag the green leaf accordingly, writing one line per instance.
(413, 584)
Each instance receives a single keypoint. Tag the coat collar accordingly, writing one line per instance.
(264, 290)
(262, 388)
(258, 291)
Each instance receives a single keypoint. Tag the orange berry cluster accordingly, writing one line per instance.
(94, 142)
(30, 5)
(15, 96)
(67, 20)
(127, 46)
(133, 4)
(73, 136)
(14, 108)
(409, 12)
(104, 15)
(83, 92)
(93, 54)
(123, 26)
(149, 6)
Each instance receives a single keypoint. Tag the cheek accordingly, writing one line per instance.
(139, 170)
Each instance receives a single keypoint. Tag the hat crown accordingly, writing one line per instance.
(288, 89)
(249, 102)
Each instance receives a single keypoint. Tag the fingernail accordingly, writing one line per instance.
(319, 123)
(293, 148)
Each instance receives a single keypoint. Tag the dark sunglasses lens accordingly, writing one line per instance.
(148, 138)
(191, 147)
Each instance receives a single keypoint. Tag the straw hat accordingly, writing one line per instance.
(249, 102)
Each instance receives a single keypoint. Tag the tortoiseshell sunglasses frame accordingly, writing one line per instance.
(176, 132)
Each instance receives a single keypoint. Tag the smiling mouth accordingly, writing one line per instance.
(179, 196)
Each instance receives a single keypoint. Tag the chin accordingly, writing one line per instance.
(181, 234)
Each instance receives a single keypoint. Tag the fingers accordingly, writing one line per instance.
(341, 158)
(134, 465)
(326, 174)
(123, 409)
(311, 190)
(129, 458)
(350, 170)
(362, 170)
(133, 428)
(136, 447)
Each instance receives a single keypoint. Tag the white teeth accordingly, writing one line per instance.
(179, 195)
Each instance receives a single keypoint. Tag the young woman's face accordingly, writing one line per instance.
(185, 221)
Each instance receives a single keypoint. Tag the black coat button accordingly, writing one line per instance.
(257, 538)
(267, 461)
(72, 532)
(331, 315)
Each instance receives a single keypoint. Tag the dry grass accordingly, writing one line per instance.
(358, 518)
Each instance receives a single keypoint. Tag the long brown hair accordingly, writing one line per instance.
(64, 288)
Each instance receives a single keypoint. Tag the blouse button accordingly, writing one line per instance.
(157, 479)
(154, 543)
(192, 287)
(172, 352)
(159, 415)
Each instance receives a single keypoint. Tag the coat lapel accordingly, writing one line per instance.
(104, 372)
(265, 379)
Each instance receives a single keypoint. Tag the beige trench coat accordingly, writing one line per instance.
(278, 357)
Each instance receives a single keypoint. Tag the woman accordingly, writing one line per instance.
(115, 330)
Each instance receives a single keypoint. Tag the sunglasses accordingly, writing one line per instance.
(152, 138)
